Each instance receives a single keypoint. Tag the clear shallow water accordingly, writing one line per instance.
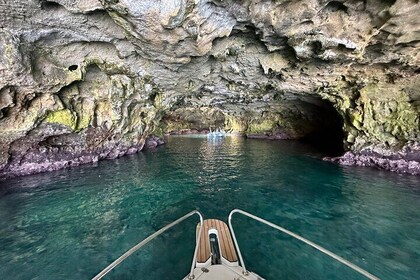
(72, 223)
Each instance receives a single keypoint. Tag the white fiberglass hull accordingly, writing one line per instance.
(223, 272)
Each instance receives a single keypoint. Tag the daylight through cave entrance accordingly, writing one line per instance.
(311, 120)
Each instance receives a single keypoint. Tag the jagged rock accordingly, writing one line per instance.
(85, 80)
(407, 160)
(153, 141)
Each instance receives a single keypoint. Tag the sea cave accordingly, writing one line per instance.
(118, 117)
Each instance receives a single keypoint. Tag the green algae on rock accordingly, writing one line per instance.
(64, 117)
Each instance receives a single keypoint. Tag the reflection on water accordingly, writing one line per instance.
(72, 223)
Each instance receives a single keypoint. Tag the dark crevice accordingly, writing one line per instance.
(253, 30)
(73, 67)
(381, 19)
(374, 51)
(290, 53)
(389, 2)
(97, 13)
(7, 105)
(341, 47)
(335, 6)
(316, 47)
(327, 137)
(308, 21)
(50, 5)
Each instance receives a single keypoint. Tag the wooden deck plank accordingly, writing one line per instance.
(201, 253)
(228, 255)
(199, 243)
(207, 241)
(229, 245)
(226, 243)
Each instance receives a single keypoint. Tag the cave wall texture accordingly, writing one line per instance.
(83, 80)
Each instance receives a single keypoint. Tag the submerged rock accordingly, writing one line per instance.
(86, 80)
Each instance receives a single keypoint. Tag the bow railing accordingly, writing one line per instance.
(150, 238)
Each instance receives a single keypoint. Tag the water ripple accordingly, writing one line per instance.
(71, 223)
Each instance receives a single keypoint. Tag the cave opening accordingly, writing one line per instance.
(327, 135)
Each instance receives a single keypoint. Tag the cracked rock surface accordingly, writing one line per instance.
(84, 80)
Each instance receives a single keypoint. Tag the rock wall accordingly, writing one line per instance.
(83, 80)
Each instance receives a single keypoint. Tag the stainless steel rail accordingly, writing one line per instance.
(150, 238)
(310, 243)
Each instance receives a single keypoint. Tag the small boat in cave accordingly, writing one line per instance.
(216, 134)
(217, 255)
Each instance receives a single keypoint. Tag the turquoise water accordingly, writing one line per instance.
(70, 224)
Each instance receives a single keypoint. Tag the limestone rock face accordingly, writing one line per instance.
(83, 80)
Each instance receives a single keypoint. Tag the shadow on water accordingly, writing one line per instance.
(72, 223)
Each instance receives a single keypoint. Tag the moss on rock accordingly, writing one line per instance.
(375, 112)
(64, 117)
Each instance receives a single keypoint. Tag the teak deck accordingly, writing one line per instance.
(225, 239)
